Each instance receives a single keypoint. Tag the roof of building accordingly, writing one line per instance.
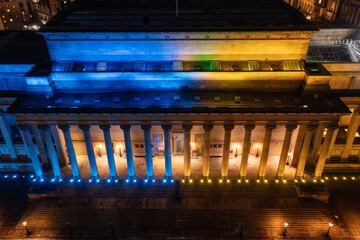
(22, 47)
(160, 15)
(180, 102)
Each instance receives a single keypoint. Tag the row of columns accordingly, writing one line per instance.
(303, 145)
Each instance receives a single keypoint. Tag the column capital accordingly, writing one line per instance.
(146, 128)
(357, 110)
(22, 127)
(208, 127)
(105, 127)
(332, 126)
(64, 127)
(125, 127)
(84, 128)
(270, 126)
(290, 126)
(228, 126)
(187, 127)
(249, 126)
(166, 127)
(311, 126)
(43, 127)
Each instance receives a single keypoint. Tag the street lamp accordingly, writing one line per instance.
(98, 149)
(237, 147)
(328, 231)
(257, 150)
(192, 146)
(27, 231)
(119, 147)
(285, 229)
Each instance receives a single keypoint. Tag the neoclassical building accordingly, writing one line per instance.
(145, 89)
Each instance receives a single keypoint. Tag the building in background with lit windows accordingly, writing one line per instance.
(324, 11)
(29, 14)
(226, 89)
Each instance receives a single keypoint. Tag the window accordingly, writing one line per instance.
(291, 66)
(62, 66)
(253, 65)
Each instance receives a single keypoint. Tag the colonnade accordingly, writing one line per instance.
(303, 141)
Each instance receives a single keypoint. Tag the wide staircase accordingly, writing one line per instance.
(175, 212)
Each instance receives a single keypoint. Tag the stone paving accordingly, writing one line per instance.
(229, 211)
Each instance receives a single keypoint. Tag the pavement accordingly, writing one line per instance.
(181, 211)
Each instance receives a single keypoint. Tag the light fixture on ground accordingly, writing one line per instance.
(285, 229)
(330, 226)
(27, 231)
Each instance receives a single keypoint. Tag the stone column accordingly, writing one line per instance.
(324, 151)
(51, 151)
(148, 150)
(58, 146)
(128, 148)
(167, 150)
(246, 149)
(70, 150)
(109, 149)
(350, 135)
(41, 147)
(298, 145)
(332, 143)
(226, 149)
(318, 135)
(206, 155)
(305, 150)
(265, 150)
(89, 150)
(187, 150)
(30, 149)
(285, 149)
(6, 133)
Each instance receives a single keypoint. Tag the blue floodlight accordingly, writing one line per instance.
(134, 180)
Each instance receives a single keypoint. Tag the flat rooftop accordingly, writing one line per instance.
(160, 15)
(179, 102)
(22, 47)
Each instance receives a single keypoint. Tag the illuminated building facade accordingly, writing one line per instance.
(131, 90)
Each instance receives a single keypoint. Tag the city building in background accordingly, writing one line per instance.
(226, 89)
(322, 11)
(28, 14)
